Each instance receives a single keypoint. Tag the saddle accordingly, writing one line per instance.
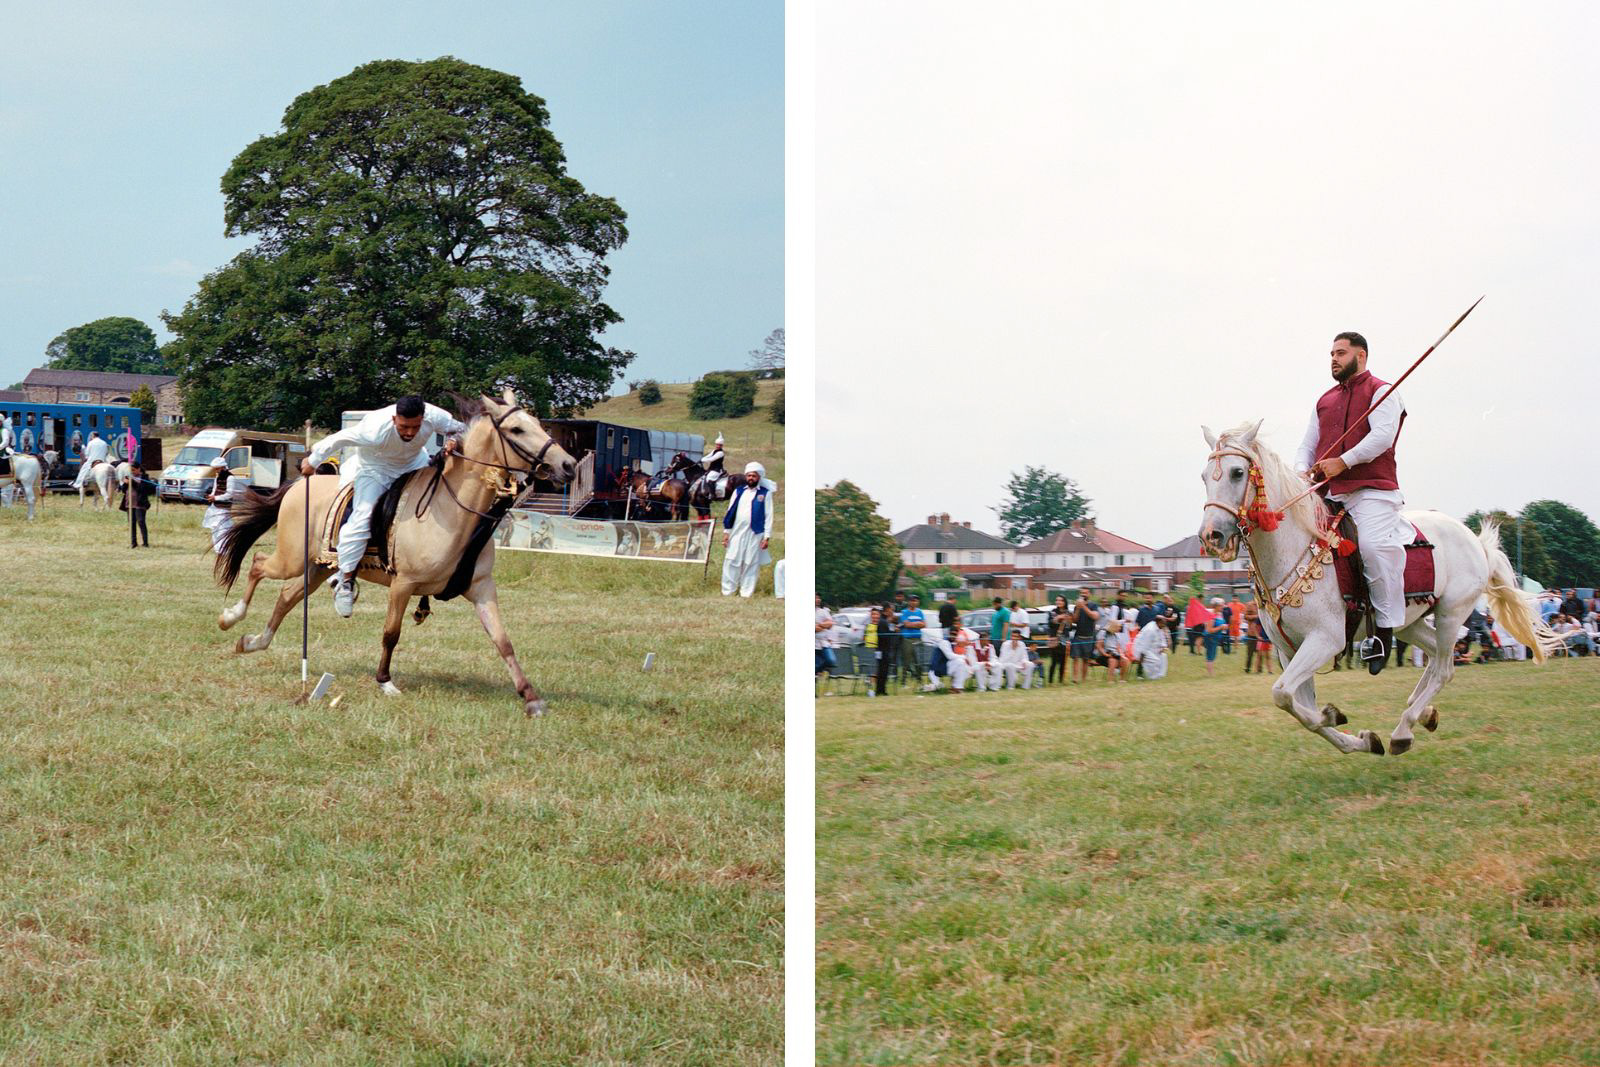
(379, 555)
(1352, 577)
(657, 480)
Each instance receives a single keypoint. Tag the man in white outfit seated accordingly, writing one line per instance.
(1150, 649)
(1014, 662)
(986, 665)
(387, 444)
(95, 451)
(947, 662)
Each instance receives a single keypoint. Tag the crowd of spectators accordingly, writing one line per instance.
(1128, 635)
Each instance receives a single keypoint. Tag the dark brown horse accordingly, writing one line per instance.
(672, 494)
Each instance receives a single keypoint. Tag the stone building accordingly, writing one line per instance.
(44, 386)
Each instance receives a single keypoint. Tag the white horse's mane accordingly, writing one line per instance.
(1280, 480)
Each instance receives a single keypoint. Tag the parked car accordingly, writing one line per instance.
(850, 625)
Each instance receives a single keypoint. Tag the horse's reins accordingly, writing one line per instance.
(535, 461)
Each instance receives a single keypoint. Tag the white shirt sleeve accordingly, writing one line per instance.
(368, 432)
(1306, 454)
(1385, 426)
(441, 421)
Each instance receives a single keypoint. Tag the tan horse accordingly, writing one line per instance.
(501, 440)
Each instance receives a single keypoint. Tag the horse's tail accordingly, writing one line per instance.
(1509, 605)
(251, 516)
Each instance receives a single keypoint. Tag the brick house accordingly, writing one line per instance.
(1092, 552)
(45, 386)
(939, 542)
(1182, 558)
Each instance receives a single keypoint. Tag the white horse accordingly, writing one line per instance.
(1291, 565)
(27, 474)
(103, 474)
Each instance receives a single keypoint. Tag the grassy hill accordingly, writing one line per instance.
(748, 437)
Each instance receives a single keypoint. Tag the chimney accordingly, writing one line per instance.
(944, 518)
(933, 520)
(968, 525)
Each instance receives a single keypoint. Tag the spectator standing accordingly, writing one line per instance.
(911, 624)
(1216, 631)
(872, 643)
(1251, 614)
(1059, 629)
(1195, 619)
(1019, 621)
(824, 640)
(949, 615)
(1572, 607)
(1084, 614)
(136, 494)
(1263, 642)
(999, 623)
(1233, 611)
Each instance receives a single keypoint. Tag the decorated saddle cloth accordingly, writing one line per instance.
(1352, 576)
(379, 555)
(657, 480)
(5, 464)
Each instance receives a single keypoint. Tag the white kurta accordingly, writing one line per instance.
(744, 558)
(381, 455)
(1014, 662)
(94, 452)
(1152, 641)
(1382, 532)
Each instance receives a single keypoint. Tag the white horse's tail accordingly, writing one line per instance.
(1509, 605)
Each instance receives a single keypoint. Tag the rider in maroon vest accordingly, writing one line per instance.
(1363, 478)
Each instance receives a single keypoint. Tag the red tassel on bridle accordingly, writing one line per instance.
(1258, 515)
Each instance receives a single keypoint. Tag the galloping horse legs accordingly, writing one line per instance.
(1441, 665)
(482, 595)
(231, 616)
(399, 599)
(288, 596)
(1295, 692)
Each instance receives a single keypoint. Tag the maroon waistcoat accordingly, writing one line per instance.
(1336, 409)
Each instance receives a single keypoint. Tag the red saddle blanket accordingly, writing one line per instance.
(1418, 580)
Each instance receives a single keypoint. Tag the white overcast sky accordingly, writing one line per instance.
(1068, 234)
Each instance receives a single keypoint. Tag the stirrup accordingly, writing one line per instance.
(1372, 648)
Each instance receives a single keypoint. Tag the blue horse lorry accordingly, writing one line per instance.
(65, 429)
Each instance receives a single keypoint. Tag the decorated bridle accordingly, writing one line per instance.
(1255, 514)
(503, 488)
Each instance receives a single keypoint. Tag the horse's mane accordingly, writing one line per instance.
(1281, 481)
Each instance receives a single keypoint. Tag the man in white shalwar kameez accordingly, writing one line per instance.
(387, 444)
(95, 451)
(218, 517)
(748, 526)
(1015, 663)
(1150, 648)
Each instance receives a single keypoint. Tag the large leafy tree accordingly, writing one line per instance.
(416, 231)
(117, 343)
(1535, 560)
(1571, 541)
(857, 558)
(1038, 503)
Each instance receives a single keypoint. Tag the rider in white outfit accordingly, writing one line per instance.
(1363, 478)
(7, 437)
(95, 451)
(388, 443)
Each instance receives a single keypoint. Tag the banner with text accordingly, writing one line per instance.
(672, 542)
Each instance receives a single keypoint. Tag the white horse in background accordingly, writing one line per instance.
(27, 474)
(103, 474)
(1291, 565)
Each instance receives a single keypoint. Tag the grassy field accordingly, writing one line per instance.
(197, 871)
(1176, 872)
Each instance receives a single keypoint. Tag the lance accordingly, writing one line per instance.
(1377, 403)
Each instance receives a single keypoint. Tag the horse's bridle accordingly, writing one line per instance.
(1252, 476)
(534, 461)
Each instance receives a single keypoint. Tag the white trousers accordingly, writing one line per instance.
(988, 675)
(1013, 670)
(369, 486)
(1383, 536)
(959, 673)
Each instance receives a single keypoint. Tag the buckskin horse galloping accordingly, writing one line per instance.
(441, 540)
(1292, 568)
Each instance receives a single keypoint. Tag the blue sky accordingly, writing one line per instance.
(117, 123)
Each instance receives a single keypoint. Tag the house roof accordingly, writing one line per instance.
(95, 379)
(1084, 539)
(948, 538)
(1079, 576)
(12, 395)
(1190, 548)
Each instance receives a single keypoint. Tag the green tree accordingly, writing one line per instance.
(1535, 560)
(112, 344)
(1038, 503)
(723, 395)
(857, 559)
(416, 231)
(776, 415)
(1197, 584)
(1570, 540)
(650, 392)
(143, 399)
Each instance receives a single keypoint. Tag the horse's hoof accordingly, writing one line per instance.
(238, 646)
(1399, 746)
(1431, 723)
(535, 709)
(1374, 742)
(389, 689)
(419, 616)
(1332, 716)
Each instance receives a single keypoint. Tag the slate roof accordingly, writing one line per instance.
(948, 538)
(12, 395)
(1190, 548)
(95, 379)
(1077, 539)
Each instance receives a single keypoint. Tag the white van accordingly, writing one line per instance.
(267, 460)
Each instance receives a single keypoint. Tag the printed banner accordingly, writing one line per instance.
(673, 542)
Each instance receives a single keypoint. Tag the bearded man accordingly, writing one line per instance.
(748, 526)
(1364, 479)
